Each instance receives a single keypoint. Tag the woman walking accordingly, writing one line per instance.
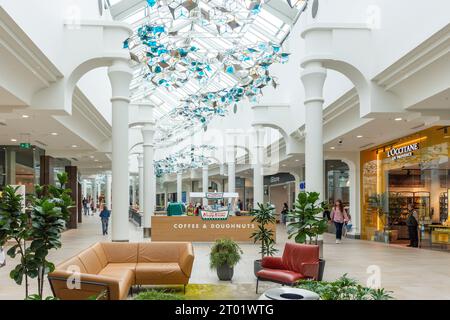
(339, 217)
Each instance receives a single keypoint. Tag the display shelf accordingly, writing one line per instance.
(443, 207)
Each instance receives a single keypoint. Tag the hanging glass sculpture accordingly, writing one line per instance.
(190, 157)
(195, 47)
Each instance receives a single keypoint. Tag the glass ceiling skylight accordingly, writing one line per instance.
(198, 57)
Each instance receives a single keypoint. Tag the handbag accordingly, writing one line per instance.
(2, 257)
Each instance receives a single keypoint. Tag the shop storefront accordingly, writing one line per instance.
(412, 170)
(280, 189)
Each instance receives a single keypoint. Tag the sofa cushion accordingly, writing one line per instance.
(120, 252)
(72, 265)
(160, 252)
(283, 276)
(123, 274)
(98, 249)
(160, 273)
(90, 261)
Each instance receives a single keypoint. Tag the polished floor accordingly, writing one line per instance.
(410, 273)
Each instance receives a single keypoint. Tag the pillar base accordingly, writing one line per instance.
(120, 240)
(147, 232)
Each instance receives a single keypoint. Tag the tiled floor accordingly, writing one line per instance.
(410, 273)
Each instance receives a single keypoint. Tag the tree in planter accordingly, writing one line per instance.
(264, 216)
(48, 222)
(49, 218)
(14, 225)
(307, 221)
(43, 228)
(225, 254)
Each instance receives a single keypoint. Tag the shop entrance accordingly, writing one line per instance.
(412, 171)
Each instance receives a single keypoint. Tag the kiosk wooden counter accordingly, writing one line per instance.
(212, 224)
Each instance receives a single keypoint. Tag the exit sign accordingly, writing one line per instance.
(25, 145)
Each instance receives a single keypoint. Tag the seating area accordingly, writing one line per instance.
(112, 269)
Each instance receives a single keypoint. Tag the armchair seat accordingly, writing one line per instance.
(280, 276)
(299, 261)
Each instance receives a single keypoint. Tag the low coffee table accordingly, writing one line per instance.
(289, 294)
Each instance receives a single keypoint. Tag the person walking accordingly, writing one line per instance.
(104, 215)
(85, 206)
(338, 217)
(284, 213)
(412, 222)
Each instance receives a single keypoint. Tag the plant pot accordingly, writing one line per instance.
(257, 266)
(321, 269)
(225, 272)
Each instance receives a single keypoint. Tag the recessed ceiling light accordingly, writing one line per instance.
(54, 133)
(359, 137)
(74, 146)
(13, 140)
(25, 116)
(297, 160)
(92, 157)
(398, 119)
(332, 148)
(283, 165)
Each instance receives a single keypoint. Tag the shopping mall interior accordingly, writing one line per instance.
(224, 149)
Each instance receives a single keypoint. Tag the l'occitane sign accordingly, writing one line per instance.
(403, 152)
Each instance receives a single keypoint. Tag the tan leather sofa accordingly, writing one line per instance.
(113, 268)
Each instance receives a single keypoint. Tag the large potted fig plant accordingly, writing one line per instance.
(307, 222)
(264, 216)
(225, 254)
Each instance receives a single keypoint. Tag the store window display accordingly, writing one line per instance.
(413, 171)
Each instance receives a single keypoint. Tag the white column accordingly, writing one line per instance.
(133, 190)
(205, 183)
(231, 162)
(258, 173)
(149, 178)
(120, 75)
(95, 193)
(313, 78)
(141, 183)
(179, 186)
(108, 191)
(84, 189)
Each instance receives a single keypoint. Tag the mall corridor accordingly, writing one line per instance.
(402, 269)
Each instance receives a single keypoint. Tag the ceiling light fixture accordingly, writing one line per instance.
(13, 140)
(332, 148)
(54, 133)
(74, 146)
(398, 119)
(359, 136)
(25, 116)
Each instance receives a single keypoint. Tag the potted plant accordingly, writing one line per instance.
(264, 216)
(307, 221)
(225, 254)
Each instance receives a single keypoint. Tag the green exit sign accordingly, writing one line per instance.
(25, 145)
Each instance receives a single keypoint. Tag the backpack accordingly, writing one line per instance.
(411, 220)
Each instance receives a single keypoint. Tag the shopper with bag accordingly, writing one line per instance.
(2, 257)
(339, 217)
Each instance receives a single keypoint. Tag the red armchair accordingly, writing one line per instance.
(299, 261)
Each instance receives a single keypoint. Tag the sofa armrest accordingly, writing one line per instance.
(310, 270)
(272, 263)
(90, 284)
(187, 259)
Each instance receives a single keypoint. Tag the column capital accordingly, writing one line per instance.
(140, 159)
(120, 75)
(148, 133)
(313, 78)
